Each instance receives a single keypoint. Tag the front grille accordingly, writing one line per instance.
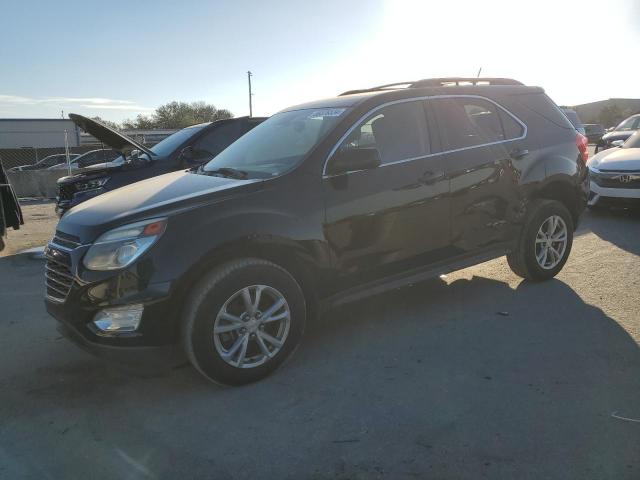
(617, 179)
(66, 240)
(58, 276)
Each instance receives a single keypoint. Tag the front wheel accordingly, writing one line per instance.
(243, 320)
(545, 241)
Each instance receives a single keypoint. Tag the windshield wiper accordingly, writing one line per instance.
(227, 172)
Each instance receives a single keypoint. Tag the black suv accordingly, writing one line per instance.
(321, 204)
(186, 148)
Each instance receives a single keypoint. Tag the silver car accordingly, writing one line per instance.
(615, 175)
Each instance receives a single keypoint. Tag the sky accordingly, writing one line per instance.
(117, 59)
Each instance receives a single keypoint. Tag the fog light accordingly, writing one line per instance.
(119, 319)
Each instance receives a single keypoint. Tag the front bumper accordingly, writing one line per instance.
(602, 195)
(75, 296)
(154, 356)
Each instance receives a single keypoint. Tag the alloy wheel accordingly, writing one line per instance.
(551, 242)
(252, 326)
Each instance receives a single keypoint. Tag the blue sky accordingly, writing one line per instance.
(120, 58)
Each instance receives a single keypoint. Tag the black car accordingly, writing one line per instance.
(620, 133)
(186, 148)
(594, 132)
(321, 204)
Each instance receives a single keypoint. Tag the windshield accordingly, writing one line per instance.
(278, 144)
(629, 124)
(173, 141)
(633, 141)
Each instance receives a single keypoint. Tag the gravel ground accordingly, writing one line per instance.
(40, 222)
(475, 375)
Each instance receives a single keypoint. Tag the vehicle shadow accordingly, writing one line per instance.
(477, 373)
(619, 226)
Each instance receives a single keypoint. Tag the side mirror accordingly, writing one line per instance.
(136, 159)
(353, 159)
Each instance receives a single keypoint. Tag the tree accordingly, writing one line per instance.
(108, 123)
(176, 115)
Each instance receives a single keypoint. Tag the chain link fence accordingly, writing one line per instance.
(14, 157)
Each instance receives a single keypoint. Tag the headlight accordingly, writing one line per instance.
(92, 184)
(120, 247)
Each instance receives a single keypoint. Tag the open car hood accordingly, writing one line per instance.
(108, 136)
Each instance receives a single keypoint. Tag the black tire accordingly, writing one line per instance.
(522, 259)
(210, 295)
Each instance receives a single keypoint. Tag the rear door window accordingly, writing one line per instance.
(398, 131)
(468, 122)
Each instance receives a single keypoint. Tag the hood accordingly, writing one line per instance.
(155, 196)
(108, 136)
(617, 159)
(617, 135)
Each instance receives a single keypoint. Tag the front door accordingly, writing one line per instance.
(394, 217)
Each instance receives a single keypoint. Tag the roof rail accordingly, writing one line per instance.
(438, 82)
(453, 81)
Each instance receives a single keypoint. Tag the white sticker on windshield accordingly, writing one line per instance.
(326, 112)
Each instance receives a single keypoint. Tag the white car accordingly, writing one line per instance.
(614, 175)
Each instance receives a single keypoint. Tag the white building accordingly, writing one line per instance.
(37, 132)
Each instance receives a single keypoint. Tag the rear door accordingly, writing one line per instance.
(395, 217)
(480, 143)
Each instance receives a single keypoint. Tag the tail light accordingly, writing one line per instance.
(583, 145)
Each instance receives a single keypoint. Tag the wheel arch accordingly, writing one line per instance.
(285, 253)
(563, 191)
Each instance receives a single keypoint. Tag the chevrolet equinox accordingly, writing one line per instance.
(321, 204)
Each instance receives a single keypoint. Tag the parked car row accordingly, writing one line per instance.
(77, 161)
(46, 162)
(320, 204)
(618, 135)
(88, 159)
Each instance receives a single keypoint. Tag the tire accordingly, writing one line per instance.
(217, 302)
(525, 259)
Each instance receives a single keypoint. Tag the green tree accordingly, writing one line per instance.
(108, 123)
(178, 115)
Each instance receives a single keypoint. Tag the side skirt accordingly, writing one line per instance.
(412, 276)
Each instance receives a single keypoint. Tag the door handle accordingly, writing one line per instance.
(518, 153)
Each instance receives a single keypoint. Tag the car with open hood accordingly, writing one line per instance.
(186, 148)
(321, 204)
(615, 175)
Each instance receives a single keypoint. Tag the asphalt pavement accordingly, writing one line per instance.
(475, 375)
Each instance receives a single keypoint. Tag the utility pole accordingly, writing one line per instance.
(249, 74)
(479, 72)
(66, 151)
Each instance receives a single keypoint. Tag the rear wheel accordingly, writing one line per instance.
(243, 320)
(545, 241)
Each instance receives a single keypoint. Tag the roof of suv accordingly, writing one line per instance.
(427, 87)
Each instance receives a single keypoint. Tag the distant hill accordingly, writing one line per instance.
(608, 112)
